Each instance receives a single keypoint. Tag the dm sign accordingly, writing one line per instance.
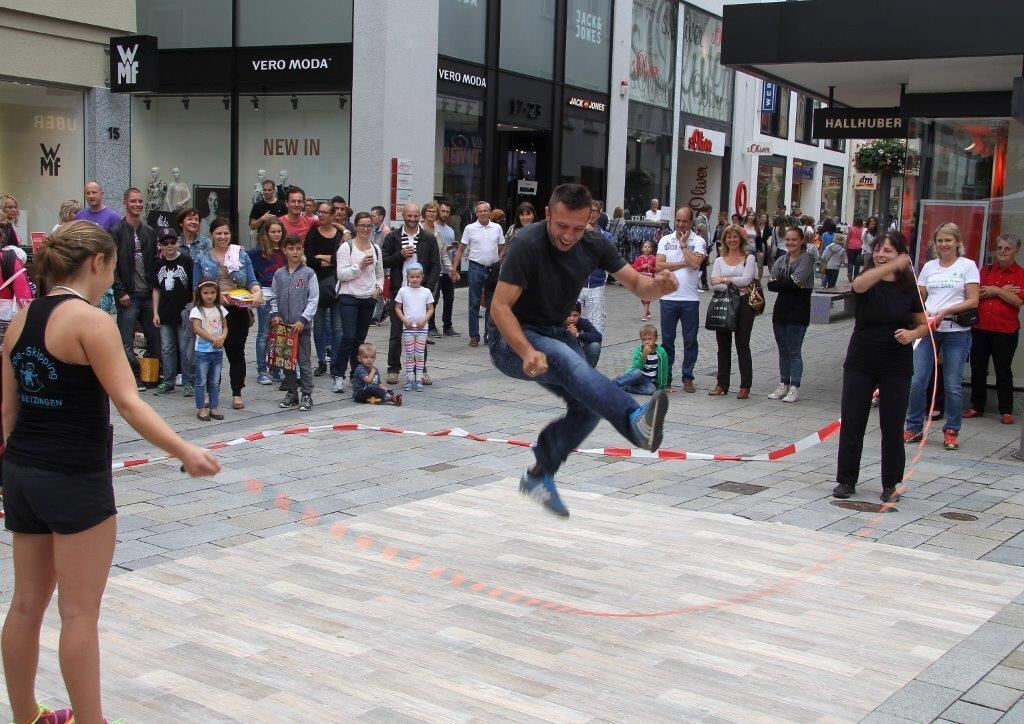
(860, 123)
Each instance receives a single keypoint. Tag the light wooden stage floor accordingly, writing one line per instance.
(310, 626)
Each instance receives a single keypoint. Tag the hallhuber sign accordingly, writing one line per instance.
(860, 123)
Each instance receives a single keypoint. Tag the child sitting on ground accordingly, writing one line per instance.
(585, 333)
(648, 371)
(366, 381)
(645, 265)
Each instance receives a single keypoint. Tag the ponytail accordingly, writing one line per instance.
(65, 251)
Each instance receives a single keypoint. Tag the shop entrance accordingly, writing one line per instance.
(524, 164)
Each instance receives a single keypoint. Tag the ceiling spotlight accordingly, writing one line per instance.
(255, 103)
(185, 102)
(147, 101)
(227, 103)
(295, 103)
(342, 100)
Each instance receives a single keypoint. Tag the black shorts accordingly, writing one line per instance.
(48, 501)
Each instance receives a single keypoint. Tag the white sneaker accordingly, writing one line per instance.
(793, 395)
(177, 380)
(779, 393)
(339, 384)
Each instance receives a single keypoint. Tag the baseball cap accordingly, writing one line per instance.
(166, 232)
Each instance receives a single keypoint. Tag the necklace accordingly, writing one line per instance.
(73, 291)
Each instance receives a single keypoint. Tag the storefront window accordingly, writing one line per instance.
(584, 148)
(196, 141)
(185, 23)
(804, 119)
(528, 37)
(776, 123)
(831, 193)
(310, 22)
(652, 68)
(707, 87)
(458, 165)
(462, 30)
(802, 179)
(588, 41)
(771, 183)
(43, 161)
(648, 171)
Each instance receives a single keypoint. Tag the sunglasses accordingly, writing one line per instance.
(168, 242)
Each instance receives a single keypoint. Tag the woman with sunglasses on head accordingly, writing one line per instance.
(360, 274)
(880, 356)
(995, 335)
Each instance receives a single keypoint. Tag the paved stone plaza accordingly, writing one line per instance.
(402, 578)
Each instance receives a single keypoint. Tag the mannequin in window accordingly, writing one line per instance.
(282, 186)
(257, 190)
(156, 191)
(178, 195)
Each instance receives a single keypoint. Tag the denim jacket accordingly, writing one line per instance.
(206, 268)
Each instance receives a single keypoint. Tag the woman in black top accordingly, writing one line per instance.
(63, 358)
(880, 356)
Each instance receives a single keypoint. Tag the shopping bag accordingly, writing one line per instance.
(283, 347)
(722, 311)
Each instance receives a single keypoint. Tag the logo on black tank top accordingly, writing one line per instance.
(30, 379)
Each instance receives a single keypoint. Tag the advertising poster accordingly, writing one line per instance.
(970, 216)
(652, 67)
(707, 87)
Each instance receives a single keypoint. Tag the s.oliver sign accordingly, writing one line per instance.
(704, 140)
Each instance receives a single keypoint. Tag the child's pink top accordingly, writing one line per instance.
(645, 263)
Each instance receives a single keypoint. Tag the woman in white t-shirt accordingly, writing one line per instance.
(950, 284)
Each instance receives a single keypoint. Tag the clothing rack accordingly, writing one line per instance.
(633, 234)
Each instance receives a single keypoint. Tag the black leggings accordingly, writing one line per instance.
(894, 396)
(744, 326)
(234, 346)
(1000, 346)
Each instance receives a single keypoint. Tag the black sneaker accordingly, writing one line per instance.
(889, 495)
(321, 369)
(451, 333)
(843, 491)
(306, 403)
(648, 421)
(140, 385)
(164, 389)
(291, 399)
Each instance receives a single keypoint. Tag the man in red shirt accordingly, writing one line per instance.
(995, 335)
(295, 221)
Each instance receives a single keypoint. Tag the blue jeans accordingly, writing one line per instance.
(351, 322)
(688, 313)
(139, 309)
(323, 338)
(262, 333)
(790, 339)
(477, 277)
(174, 356)
(592, 352)
(588, 394)
(208, 367)
(953, 346)
(635, 382)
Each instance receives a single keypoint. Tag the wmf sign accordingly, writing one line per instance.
(49, 161)
(133, 64)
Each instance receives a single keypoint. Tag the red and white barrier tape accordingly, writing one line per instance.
(663, 454)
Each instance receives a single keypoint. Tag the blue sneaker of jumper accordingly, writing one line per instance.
(648, 421)
(542, 489)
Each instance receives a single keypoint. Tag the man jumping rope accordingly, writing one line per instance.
(539, 282)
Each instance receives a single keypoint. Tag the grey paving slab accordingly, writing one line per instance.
(963, 712)
(992, 696)
(919, 701)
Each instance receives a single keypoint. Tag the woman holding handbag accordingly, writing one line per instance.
(734, 272)
(792, 276)
(229, 266)
(949, 284)
(360, 274)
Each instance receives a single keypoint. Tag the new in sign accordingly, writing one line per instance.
(860, 123)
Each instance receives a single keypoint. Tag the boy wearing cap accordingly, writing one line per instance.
(172, 290)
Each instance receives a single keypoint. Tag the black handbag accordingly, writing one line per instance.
(966, 318)
(328, 291)
(722, 311)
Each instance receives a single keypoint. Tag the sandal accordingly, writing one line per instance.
(237, 404)
(204, 418)
(216, 415)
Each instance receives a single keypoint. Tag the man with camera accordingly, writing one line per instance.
(402, 247)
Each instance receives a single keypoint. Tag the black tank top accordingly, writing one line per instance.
(63, 422)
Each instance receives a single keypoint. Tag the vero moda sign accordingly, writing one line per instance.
(134, 64)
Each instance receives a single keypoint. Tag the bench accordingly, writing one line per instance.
(827, 305)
